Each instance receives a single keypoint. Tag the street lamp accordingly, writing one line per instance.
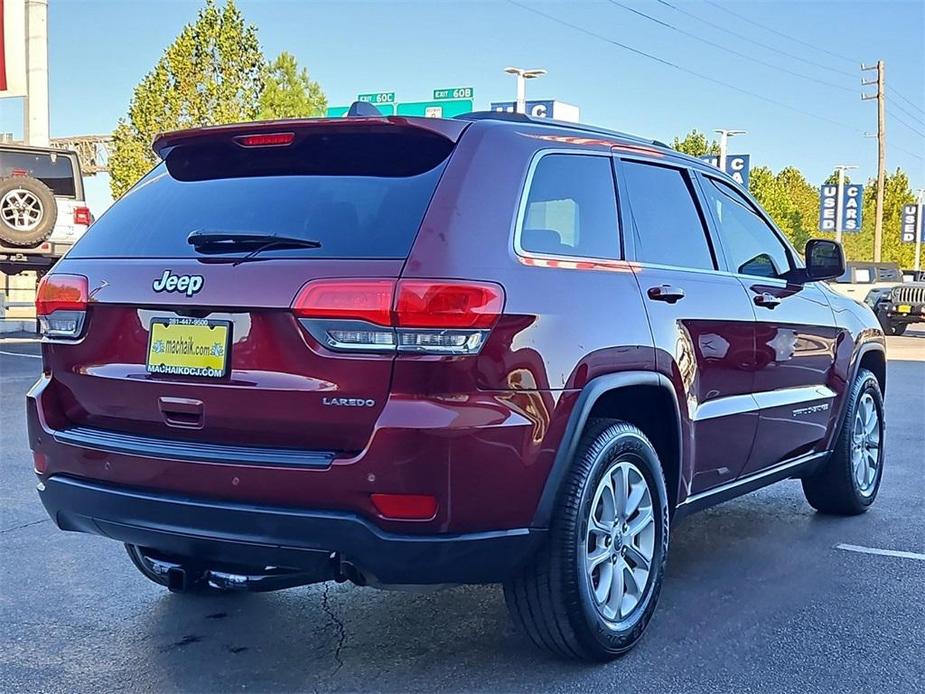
(522, 76)
(724, 136)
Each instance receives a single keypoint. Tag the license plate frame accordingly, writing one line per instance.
(197, 333)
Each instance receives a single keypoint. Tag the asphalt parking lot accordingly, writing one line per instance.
(758, 598)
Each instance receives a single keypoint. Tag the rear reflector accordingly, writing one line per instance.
(39, 462)
(61, 293)
(405, 506)
(451, 317)
(82, 215)
(265, 139)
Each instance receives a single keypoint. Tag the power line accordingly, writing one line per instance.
(915, 118)
(780, 33)
(731, 50)
(777, 50)
(896, 93)
(681, 67)
(901, 121)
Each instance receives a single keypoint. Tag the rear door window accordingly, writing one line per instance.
(668, 228)
(359, 196)
(571, 208)
(54, 170)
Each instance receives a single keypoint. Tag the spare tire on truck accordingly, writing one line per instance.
(28, 211)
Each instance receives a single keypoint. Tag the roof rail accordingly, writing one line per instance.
(549, 122)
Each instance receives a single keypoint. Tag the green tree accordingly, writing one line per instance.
(211, 74)
(790, 200)
(289, 92)
(696, 144)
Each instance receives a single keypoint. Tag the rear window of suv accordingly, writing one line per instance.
(360, 195)
(54, 170)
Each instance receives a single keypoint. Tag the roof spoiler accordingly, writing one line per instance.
(359, 116)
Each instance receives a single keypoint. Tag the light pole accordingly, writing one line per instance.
(724, 136)
(839, 199)
(522, 75)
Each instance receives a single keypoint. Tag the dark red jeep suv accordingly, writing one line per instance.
(408, 351)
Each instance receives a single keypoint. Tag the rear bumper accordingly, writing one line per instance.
(259, 536)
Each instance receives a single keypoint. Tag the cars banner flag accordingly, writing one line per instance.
(12, 48)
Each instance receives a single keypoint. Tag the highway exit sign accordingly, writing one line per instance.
(453, 93)
(377, 98)
(446, 108)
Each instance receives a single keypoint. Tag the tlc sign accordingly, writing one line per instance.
(737, 166)
(850, 208)
(910, 222)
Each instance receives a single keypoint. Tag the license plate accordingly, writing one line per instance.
(189, 347)
(904, 308)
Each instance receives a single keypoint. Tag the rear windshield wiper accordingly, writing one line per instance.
(209, 241)
(234, 240)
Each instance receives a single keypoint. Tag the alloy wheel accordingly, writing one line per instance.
(21, 210)
(620, 543)
(865, 445)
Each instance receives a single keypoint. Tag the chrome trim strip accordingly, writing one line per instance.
(743, 481)
(754, 402)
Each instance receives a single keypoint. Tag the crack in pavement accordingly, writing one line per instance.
(24, 525)
(341, 630)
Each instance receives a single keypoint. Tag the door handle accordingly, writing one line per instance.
(667, 293)
(767, 300)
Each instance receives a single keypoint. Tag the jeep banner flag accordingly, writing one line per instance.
(12, 48)
(910, 222)
(851, 205)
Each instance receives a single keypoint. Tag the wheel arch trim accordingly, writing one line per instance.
(578, 418)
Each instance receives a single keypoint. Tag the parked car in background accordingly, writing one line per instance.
(861, 277)
(406, 351)
(898, 306)
(42, 207)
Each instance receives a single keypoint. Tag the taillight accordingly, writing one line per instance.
(61, 305)
(424, 316)
(82, 216)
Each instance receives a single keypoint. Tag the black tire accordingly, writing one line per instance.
(550, 598)
(196, 582)
(41, 200)
(897, 328)
(834, 488)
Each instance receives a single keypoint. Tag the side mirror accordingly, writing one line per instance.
(825, 260)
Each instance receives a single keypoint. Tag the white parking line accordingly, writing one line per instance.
(882, 552)
(20, 354)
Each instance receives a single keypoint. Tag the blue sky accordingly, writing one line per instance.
(99, 50)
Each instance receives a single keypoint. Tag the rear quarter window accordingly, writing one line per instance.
(571, 208)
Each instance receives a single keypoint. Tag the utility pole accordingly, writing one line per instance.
(880, 96)
(840, 200)
(724, 136)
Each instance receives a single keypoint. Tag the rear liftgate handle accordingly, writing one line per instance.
(183, 413)
(667, 293)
